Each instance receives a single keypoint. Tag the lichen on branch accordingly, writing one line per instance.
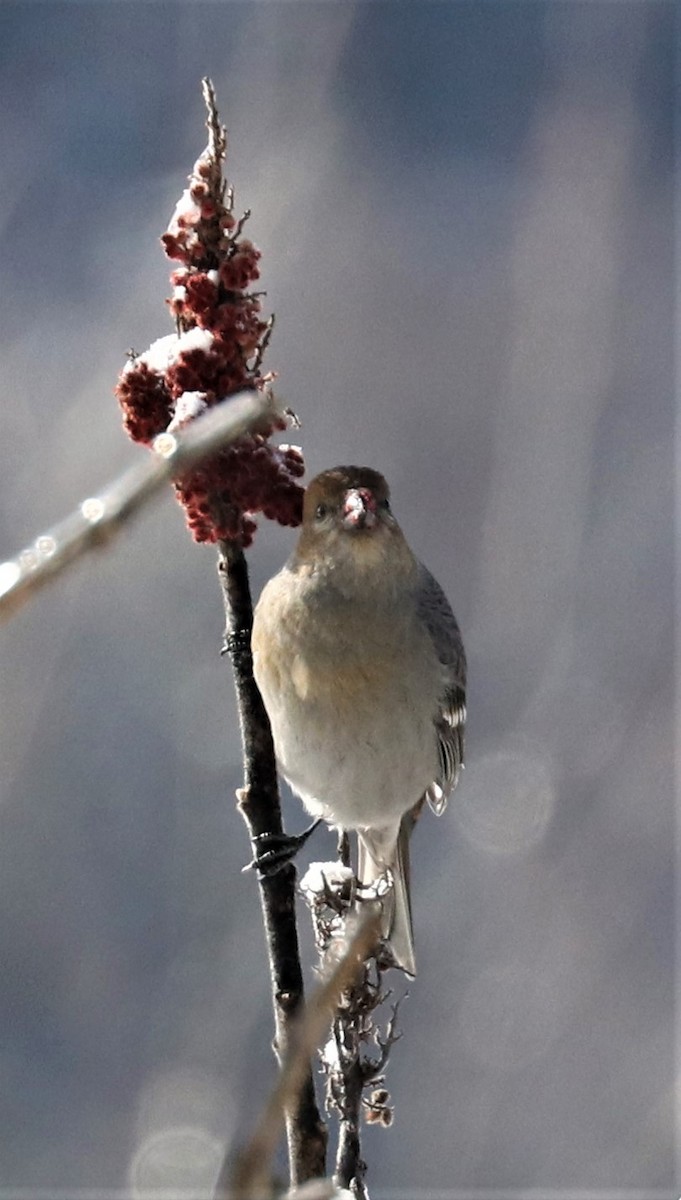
(355, 1056)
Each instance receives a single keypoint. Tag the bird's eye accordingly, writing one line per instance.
(385, 503)
(321, 511)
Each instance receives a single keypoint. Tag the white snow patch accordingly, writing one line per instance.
(283, 447)
(320, 876)
(329, 1054)
(186, 212)
(188, 406)
(195, 339)
(160, 354)
(166, 350)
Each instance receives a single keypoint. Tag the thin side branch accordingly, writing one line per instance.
(98, 518)
(253, 1173)
(217, 134)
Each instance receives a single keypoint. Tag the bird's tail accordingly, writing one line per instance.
(377, 851)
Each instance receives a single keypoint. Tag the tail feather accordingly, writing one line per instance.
(378, 851)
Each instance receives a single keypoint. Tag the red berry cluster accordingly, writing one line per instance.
(145, 401)
(260, 475)
(216, 351)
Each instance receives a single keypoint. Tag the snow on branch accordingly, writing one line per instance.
(96, 519)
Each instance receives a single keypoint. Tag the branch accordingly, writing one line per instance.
(260, 807)
(98, 518)
(253, 1173)
(333, 896)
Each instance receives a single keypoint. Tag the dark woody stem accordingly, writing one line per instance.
(260, 807)
(350, 1167)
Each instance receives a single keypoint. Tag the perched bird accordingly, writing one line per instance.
(362, 670)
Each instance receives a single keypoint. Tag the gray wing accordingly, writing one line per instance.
(436, 614)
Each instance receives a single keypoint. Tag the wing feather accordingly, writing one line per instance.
(435, 611)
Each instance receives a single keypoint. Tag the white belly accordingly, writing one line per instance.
(360, 779)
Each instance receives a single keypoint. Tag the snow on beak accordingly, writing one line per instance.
(359, 509)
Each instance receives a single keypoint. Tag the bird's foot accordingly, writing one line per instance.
(379, 888)
(274, 850)
(236, 642)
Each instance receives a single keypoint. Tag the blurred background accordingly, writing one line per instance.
(466, 218)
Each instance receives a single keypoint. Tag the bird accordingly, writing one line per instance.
(361, 666)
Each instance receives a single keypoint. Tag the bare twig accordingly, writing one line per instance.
(98, 518)
(374, 1068)
(263, 344)
(253, 1173)
(217, 134)
(260, 807)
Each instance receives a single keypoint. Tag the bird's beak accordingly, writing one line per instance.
(359, 509)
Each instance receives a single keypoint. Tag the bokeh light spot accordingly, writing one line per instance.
(165, 444)
(45, 545)
(506, 802)
(181, 1158)
(92, 509)
(28, 560)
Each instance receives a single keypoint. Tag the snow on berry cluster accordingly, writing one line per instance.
(217, 350)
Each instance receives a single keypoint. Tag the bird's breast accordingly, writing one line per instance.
(351, 698)
(341, 682)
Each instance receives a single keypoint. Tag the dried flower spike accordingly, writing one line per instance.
(217, 350)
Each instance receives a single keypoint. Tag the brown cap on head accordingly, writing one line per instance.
(349, 531)
(330, 487)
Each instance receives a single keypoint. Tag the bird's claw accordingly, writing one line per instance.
(236, 642)
(274, 850)
(379, 889)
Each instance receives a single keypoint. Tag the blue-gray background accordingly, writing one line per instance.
(465, 212)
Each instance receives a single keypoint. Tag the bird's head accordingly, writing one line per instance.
(348, 524)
